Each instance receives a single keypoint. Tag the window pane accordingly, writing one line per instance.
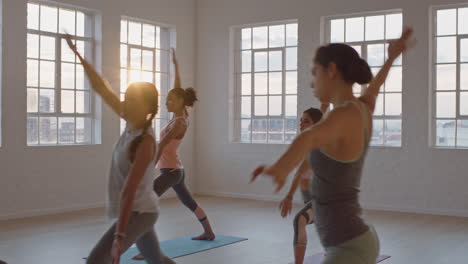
(446, 77)
(124, 81)
(261, 61)
(48, 19)
(260, 37)
(123, 55)
(81, 79)
(47, 76)
(276, 35)
(354, 29)
(276, 83)
(393, 104)
(275, 62)
(379, 105)
(291, 106)
(67, 53)
(291, 59)
(66, 130)
(291, 127)
(33, 46)
(358, 50)
(393, 26)
(47, 48)
(357, 89)
(445, 133)
(276, 105)
(464, 77)
(246, 38)
(83, 103)
(33, 130)
(158, 36)
(68, 75)
(276, 131)
(48, 130)
(135, 76)
(147, 76)
(446, 22)
(337, 30)
(259, 131)
(246, 61)
(446, 105)
(261, 107)
(464, 103)
(464, 50)
(80, 25)
(149, 35)
(375, 54)
(394, 81)
(134, 33)
(462, 133)
(148, 60)
(135, 58)
(463, 21)
(393, 133)
(68, 102)
(261, 83)
(377, 132)
(124, 31)
(246, 84)
(33, 73)
(245, 130)
(291, 34)
(446, 49)
(46, 101)
(246, 107)
(67, 21)
(33, 16)
(291, 82)
(83, 130)
(158, 60)
(32, 101)
(374, 27)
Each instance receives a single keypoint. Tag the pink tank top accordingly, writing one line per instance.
(170, 156)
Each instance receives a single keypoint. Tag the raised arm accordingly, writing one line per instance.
(395, 49)
(99, 84)
(177, 83)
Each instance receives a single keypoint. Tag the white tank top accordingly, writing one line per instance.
(146, 199)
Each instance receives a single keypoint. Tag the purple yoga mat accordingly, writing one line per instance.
(317, 259)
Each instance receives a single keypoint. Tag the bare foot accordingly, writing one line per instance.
(138, 257)
(205, 236)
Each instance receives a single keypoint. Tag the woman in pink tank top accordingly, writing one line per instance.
(167, 156)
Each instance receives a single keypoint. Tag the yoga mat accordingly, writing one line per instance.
(317, 259)
(182, 246)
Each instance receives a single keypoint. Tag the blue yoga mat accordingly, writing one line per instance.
(182, 246)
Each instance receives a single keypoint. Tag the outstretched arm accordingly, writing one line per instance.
(99, 84)
(177, 83)
(395, 49)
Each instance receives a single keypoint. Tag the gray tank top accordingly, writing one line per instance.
(335, 189)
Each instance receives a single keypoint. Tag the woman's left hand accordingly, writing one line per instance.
(116, 250)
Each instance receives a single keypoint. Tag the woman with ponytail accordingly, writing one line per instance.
(131, 198)
(167, 157)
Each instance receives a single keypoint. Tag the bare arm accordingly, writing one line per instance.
(395, 49)
(99, 84)
(324, 107)
(177, 83)
(143, 159)
(297, 178)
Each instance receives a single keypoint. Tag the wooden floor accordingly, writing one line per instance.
(66, 238)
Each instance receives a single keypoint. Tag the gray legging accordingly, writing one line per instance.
(140, 229)
(175, 178)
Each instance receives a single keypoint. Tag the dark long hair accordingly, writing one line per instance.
(315, 114)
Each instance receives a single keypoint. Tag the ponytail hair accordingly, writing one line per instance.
(149, 95)
(353, 69)
(189, 95)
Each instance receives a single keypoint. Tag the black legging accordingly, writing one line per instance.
(175, 178)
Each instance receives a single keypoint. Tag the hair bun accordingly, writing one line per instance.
(190, 96)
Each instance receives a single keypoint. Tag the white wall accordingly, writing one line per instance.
(41, 180)
(415, 178)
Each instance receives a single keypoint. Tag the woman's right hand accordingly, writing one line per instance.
(269, 171)
(397, 47)
(286, 206)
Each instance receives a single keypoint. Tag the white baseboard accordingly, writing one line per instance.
(50, 211)
(61, 210)
(366, 206)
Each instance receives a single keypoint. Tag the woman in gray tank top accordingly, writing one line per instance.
(337, 147)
